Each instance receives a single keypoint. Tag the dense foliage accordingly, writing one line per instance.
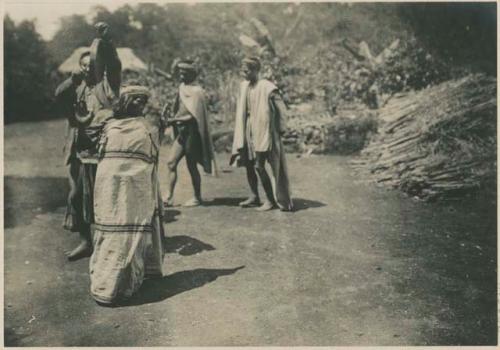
(462, 34)
(27, 83)
(305, 55)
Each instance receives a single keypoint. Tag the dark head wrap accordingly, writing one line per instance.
(127, 93)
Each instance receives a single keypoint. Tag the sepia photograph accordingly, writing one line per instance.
(249, 174)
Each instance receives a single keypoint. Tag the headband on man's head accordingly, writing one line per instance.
(252, 62)
(186, 66)
(135, 90)
(127, 93)
(189, 65)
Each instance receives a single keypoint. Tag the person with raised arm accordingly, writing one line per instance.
(94, 86)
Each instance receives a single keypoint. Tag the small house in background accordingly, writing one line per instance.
(130, 62)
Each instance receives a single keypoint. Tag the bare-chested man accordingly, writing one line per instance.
(192, 135)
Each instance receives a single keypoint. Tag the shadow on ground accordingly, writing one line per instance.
(225, 201)
(460, 265)
(299, 203)
(303, 204)
(185, 245)
(11, 338)
(25, 197)
(156, 290)
(169, 215)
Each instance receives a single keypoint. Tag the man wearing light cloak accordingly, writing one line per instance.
(259, 125)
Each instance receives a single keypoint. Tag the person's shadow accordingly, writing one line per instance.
(159, 289)
(185, 245)
(298, 203)
(169, 215)
(225, 201)
(303, 204)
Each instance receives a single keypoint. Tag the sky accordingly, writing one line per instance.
(47, 13)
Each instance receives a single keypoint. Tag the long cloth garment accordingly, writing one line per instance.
(265, 123)
(193, 99)
(127, 203)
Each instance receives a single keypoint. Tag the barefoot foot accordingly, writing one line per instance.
(266, 206)
(83, 250)
(194, 202)
(169, 202)
(252, 201)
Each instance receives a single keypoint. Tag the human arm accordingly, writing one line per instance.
(105, 58)
(92, 135)
(83, 119)
(165, 116)
(280, 108)
(181, 113)
(65, 93)
(66, 90)
(180, 119)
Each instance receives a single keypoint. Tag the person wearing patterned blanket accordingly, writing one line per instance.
(128, 232)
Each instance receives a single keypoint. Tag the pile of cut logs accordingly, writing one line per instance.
(439, 142)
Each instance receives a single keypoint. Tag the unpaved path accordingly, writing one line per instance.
(354, 265)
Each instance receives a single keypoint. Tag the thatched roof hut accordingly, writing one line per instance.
(128, 58)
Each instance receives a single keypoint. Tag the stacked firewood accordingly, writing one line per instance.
(439, 142)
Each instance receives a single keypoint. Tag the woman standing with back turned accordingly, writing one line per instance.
(128, 234)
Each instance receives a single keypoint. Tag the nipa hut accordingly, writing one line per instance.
(130, 62)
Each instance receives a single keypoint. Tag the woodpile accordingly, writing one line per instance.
(439, 142)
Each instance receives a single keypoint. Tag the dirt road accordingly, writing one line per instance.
(354, 265)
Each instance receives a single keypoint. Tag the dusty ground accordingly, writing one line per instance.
(354, 265)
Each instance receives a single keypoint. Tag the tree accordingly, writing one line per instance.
(119, 23)
(74, 32)
(155, 39)
(462, 33)
(27, 88)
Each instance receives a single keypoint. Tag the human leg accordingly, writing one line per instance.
(176, 154)
(76, 206)
(84, 248)
(269, 203)
(253, 183)
(71, 218)
(195, 180)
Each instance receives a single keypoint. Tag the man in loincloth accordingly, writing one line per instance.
(259, 126)
(94, 87)
(191, 131)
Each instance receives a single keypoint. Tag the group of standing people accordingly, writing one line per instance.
(112, 152)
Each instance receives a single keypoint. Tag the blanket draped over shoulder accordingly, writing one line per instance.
(266, 124)
(128, 208)
(193, 98)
